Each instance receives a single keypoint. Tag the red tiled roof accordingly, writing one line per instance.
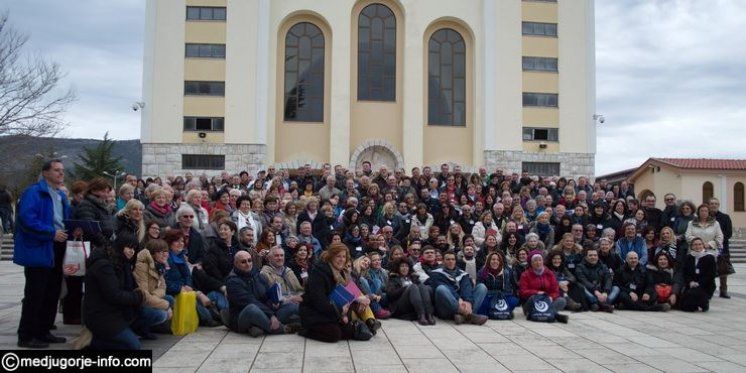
(705, 163)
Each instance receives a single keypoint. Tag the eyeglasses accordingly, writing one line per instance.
(245, 261)
(155, 228)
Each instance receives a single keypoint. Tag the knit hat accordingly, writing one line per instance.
(533, 254)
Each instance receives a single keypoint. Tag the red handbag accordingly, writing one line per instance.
(663, 291)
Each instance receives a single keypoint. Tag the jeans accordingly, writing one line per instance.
(372, 286)
(125, 340)
(610, 299)
(147, 317)
(252, 315)
(446, 304)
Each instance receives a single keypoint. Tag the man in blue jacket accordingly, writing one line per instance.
(455, 297)
(40, 247)
(632, 242)
(251, 308)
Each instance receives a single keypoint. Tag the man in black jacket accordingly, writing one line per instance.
(596, 280)
(251, 309)
(636, 292)
(670, 212)
(726, 225)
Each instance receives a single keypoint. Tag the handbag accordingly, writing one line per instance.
(76, 253)
(185, 319)
(663, 291)
(725, 267)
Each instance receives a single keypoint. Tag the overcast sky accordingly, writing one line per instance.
(671, 74)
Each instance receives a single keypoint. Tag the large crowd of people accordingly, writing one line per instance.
(272, 253)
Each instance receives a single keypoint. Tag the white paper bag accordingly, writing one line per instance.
(76, 253)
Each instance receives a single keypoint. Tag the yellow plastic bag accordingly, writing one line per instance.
(185, 319)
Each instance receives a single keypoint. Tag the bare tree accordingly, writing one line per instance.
(29, 101)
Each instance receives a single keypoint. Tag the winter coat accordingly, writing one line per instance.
(216, 266)
(633, 280)
(177, 274)
(505, 284)
(709, 232)
(424, 224)
(456, 280)
(34, 236)
(322, 228)
(94, 209)
(244, 288)
(150, 281)
(480, 232)
(531, 283)
(703, 272)
(594, 276)
(668, 276)
(548, 238)
(612, 261)
(726, 226)
(395, 288)
(163, 220)
(287, 280)
(422, 271)
(393, 221)
(316, 307)
(110, 304)
(124, 226)
(196, 246)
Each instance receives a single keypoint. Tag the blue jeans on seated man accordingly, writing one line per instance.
(147, 317)
(446, 304)
(252, 315)
(610, 299)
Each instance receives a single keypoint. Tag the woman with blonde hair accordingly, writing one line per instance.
(320, 318)
(129, 220)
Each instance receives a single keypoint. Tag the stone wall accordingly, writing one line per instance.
(571, 164)
(165, 159)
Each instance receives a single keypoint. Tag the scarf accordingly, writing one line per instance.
(539, 271)
(619, 216)
(341, 277)
(699, 255)
(177, 258)
(163, 211)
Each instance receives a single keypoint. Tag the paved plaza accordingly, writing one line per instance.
(625, 341)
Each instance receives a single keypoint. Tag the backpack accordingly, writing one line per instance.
(540, 309)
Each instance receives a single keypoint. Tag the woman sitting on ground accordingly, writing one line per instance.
(372, 289)
(149, 270)
(566, 281)
(500, 282)
(408, 298)
(112, 300)
(699, 270)
(665, 278)
(320, 318)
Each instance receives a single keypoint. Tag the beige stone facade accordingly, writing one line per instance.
(252, 72)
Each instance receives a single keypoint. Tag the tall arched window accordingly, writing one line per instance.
(376, 54)
(707, 191)
(446, 78)
(738, 197)
(304, 73)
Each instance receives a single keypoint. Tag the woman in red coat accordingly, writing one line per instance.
(537, 280)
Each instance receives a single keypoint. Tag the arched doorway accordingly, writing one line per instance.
(378, 153)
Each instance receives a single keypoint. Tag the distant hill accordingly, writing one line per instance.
(17, 153)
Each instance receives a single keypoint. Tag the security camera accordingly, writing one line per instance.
(137, 105)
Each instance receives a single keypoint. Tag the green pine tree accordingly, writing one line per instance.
(97, 160)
